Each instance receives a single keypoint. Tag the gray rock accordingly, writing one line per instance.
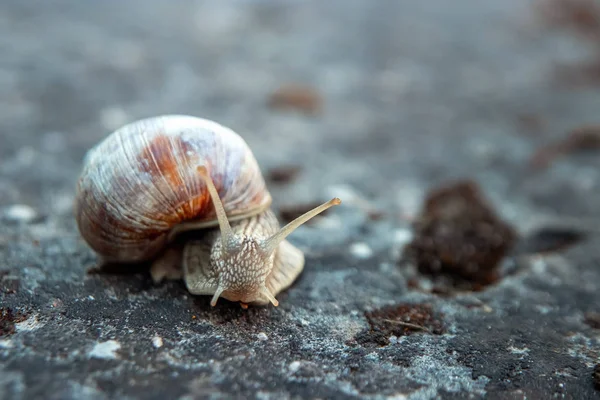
(414, 94)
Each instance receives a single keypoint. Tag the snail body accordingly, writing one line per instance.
(155, 178)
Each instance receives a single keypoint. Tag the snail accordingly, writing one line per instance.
(156, 178)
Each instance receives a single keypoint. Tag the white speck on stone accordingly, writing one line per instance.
(113, 117)
(361, 250)
(393, 339)
(91, 298)
(262, 336)
(105, 350)
(426, 285)
(304, 322)
(539, 266)
(516, 350)
(30, 324)
(6, 344)
(409, 198)
(543, 309)
(402, 236)
(294, 366)
(157, 342)
(397, 396)
(20, 213)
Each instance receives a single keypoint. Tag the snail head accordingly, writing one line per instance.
(243, 262)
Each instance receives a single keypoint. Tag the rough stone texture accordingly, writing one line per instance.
(414, 94)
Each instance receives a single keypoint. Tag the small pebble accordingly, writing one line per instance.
(262, 336)
(516, 350)
(105, 350)
(294, 366)
(361, 250)
(20, 213)
(402, 236)
(296, 96)
(157, 342)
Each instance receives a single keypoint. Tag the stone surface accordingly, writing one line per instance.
(413, 95)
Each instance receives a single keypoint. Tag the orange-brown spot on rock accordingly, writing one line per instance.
(297, 97)
(458, 236)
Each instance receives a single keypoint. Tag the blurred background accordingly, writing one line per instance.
(384, 96)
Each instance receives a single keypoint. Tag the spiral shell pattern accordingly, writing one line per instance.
(142, 181)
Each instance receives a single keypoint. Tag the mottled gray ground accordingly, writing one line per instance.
(415, 93)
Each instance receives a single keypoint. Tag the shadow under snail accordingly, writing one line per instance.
(159, 177)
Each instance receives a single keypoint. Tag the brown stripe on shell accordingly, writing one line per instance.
(159, 158)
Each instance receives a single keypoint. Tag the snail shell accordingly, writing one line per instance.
(141, 182)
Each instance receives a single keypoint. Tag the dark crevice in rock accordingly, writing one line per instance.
(8, 319)
(549, 240)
